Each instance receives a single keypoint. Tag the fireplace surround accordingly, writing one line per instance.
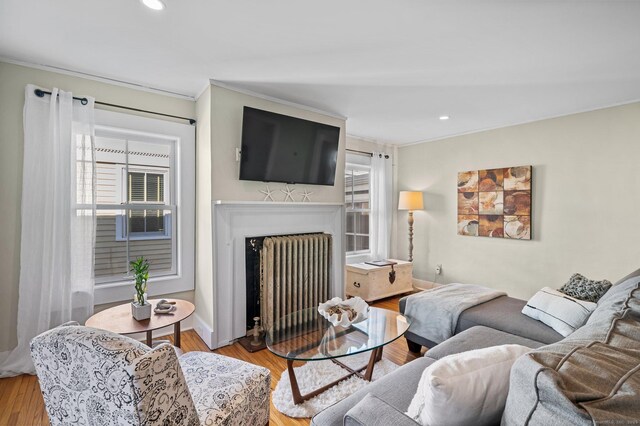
(235, 221)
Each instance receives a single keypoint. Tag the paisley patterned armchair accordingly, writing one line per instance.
(94, 377)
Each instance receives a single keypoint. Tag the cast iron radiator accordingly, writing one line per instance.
(295, 274)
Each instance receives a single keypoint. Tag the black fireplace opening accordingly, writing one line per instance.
(252, 247)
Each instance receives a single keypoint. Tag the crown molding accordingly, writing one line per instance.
(519, 123)
(274, 99)
(101, 79)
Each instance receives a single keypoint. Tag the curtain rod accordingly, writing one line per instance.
(370, 154)
(40, 93)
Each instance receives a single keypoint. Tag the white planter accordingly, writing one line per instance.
(141, 312)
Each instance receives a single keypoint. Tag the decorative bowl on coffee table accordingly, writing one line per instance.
(344, 312)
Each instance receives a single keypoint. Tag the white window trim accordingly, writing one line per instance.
(359, 255)
(121, 234)
(183, 190)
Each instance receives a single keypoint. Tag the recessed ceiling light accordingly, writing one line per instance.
(154, 4)
(444, 117)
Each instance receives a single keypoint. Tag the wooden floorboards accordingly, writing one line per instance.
(21, 402)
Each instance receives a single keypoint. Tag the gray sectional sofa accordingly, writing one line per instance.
(590, 377)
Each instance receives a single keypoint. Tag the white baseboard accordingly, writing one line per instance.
(424, 285)
(204, 331)
(226, 343)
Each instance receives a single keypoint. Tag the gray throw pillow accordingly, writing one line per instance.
(583, 288)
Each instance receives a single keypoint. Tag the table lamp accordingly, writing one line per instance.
(410, 200)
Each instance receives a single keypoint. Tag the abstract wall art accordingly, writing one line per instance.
(495, 203)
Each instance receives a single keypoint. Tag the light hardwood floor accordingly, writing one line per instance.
(21, 402)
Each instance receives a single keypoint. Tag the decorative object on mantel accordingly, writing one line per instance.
(308, 376)
(165, 307)
(306, 194)
(410, 200)
(344, 312)
(140, 308)
(495, 203)
(288, 193)
(267, 194)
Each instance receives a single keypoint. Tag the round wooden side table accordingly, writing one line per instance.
(118, 319)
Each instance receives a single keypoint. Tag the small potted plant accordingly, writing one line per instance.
(140, 308)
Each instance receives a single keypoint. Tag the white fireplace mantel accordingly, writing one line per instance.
(233, 222)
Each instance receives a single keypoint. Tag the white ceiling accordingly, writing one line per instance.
(391, 67)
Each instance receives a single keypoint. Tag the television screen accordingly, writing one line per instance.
(279, 148)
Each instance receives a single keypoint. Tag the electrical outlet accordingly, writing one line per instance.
(438, 269)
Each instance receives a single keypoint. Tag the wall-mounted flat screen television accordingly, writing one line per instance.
(280, 148)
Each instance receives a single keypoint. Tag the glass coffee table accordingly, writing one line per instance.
(307, 336)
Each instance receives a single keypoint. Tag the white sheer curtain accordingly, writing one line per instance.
(58, 220)
(381, 193)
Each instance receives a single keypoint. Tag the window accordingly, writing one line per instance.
(145, 197)
(357, 201)
(144, 187)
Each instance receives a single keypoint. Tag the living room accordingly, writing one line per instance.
(482, 151)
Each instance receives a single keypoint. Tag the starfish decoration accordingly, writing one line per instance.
(288, 193)
(267, 194)
(305, 195)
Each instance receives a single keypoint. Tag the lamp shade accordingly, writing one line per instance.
(410, 200)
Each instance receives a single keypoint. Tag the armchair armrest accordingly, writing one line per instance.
(372, 411)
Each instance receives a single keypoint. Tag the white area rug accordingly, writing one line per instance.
(315, 374)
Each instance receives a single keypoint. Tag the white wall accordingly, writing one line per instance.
(13, 79)
(204, 242)
(586, 199)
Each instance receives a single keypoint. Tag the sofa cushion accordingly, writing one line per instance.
(505, 314)
(590, 377)
(396, 389)
(372, 411)
(613, 302)
(477, 338)
(465, 388)
(581, 287)
(559, 311)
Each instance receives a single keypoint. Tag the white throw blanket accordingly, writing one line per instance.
(434, 313)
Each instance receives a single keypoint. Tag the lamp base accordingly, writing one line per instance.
(410, 220)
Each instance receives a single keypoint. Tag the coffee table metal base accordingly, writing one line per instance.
(298, 398)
